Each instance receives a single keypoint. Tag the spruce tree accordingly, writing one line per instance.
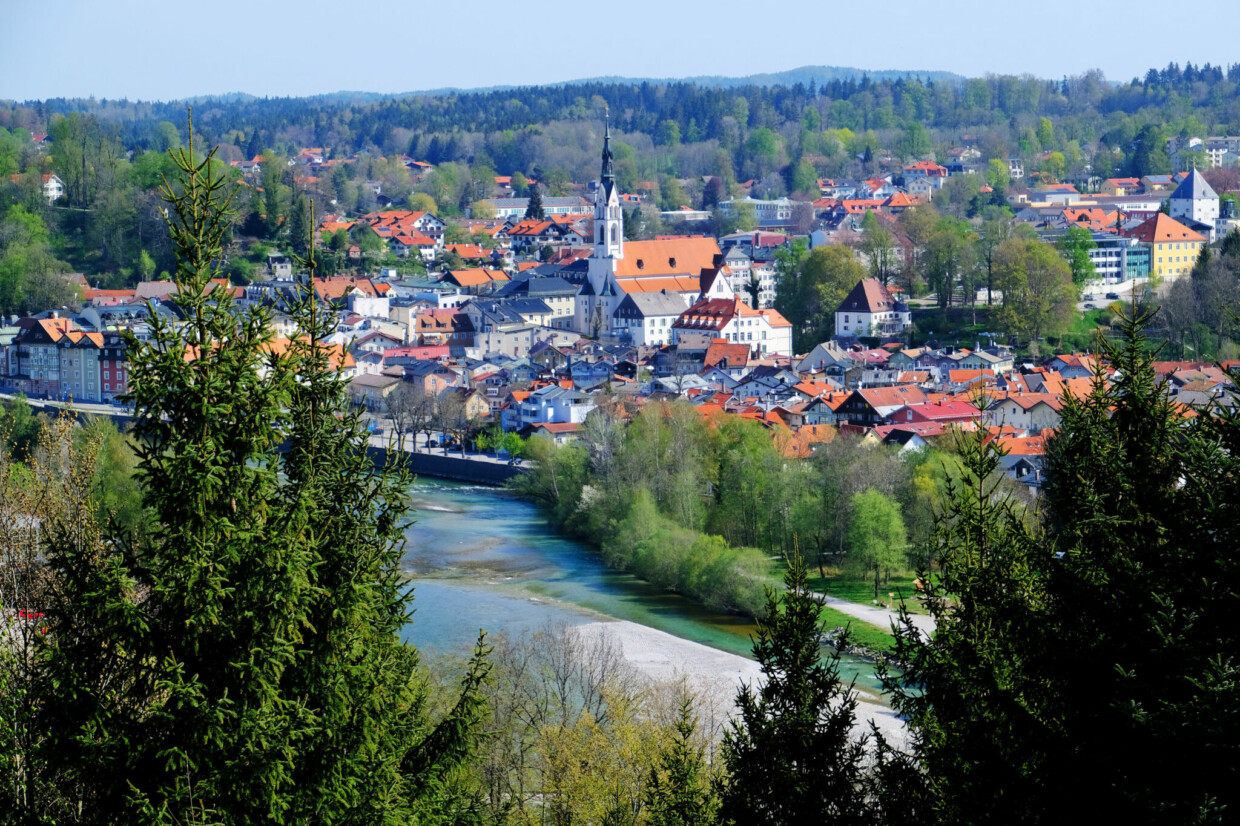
(243, 663)
(791, 754)
(534, 209)
(1085, 668)
(679, 793)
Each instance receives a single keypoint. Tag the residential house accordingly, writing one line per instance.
(1031, 412)
(869, 407)
(765, 331)
(870, 310)
(647, 319)
(431, 377)
(477, 280)
(448, 326)
(38, 355)
(80, 374)
(554, 404)
(372, 391)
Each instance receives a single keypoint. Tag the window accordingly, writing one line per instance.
(105, 375)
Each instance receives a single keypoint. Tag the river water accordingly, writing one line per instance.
(481, 558)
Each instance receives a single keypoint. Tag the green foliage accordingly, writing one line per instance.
(678, 793)
(790, 752)
(31, 277)
(239, 659)
(1075, 245)
(876, 534)
(534, 209)
(811, 286)
(1087, 658)
(21, 427)
(1038, 294)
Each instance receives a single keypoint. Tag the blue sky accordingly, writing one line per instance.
(141, 49)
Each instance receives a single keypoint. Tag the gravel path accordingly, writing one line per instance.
(873, 614)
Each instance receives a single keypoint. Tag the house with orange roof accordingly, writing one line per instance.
(1121, 186)
(391, 223)
(1023, 458)
(765, 331)
(38, 367)
(802, 442)
(444, 326)
(476, 280)
(1032, 412)
(1173, 247)
(869, 407)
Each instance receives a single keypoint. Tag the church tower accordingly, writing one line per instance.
(601, 294)
(608, 216)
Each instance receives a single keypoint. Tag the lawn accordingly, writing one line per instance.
(863, 633)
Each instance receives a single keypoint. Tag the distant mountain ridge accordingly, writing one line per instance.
(803, 74)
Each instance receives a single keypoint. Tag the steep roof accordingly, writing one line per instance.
(869, 296)
(1194, 188)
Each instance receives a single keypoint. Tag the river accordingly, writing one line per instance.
(481, 558)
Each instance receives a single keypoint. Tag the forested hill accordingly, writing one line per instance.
(1005, 109)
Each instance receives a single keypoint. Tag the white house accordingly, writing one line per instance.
(555, 405)
(646, 319)
(732, 319)
(870, 310)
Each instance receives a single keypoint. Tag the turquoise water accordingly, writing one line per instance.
(481, 558)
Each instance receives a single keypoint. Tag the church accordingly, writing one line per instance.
(682, 272)
(682, 267)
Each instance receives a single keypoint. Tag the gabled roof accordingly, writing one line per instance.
(736, 355)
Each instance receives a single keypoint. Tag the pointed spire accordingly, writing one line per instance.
(608, 174)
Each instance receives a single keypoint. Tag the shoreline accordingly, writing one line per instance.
(714, 675)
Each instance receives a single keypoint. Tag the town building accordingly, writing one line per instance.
(870, 310)
(1173, 247)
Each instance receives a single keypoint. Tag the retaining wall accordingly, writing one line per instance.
(451, 467)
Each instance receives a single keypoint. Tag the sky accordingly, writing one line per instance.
(141, 49)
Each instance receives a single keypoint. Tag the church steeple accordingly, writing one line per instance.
(608, 216)
(607, 178)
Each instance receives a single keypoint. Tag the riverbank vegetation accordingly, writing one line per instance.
(708, 505)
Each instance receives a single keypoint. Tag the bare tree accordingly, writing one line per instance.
(411, 410)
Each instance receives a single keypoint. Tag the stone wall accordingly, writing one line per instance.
(455, 468)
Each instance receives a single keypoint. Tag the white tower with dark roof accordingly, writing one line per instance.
(1195, 199)
(601, 294)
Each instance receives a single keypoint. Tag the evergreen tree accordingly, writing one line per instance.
(791, 754)
(535, 208)
(300, 230)
(678, 793)
(243, 663)
(1085, 668)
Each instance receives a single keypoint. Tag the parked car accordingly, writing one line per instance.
(1091, 307)
(1112, 296)
(1089, 297)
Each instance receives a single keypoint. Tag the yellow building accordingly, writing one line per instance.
(1173, 247)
